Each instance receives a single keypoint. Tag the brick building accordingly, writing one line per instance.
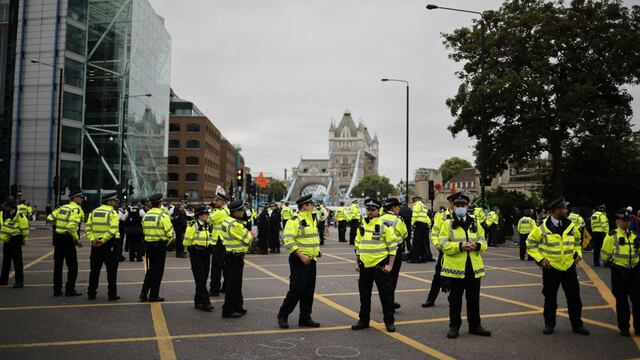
(200, 158)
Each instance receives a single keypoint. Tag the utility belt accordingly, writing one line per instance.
(379, 266)
(155, 244)
(200, 248)
(235, 254)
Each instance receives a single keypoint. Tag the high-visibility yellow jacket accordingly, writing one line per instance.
(577, 219)
(455, 258)
(198, 234)
(286, 213)
(493, 218)
(301, 233)
(526, 225)
(599, 222)
(102, 224)
(23, 209)
(397, 224)
(341, 214)
(67, 218)
(156, 226)
(235, 236)
(216, 219)
(438, 219)
(419, 213)
(354, 213)
(14, 226)
(480, 215)
(619, 248)
(375, 241)
(559, 249)
(321, 215)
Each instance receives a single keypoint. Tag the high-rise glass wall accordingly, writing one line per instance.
(127, 99)
(8, 23)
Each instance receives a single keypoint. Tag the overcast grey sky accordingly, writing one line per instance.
(271, 74)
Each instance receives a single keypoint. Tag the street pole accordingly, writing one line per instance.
(482, 155)
(406, 172)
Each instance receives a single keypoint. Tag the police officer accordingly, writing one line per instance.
(462, 242)
(66, 220)
(158, 233)
(133, 228)
(420, 220)
(275, 221)
(220, 212)
(286, 213)
(179, 222)
(620, 251)
(14, 233)
(599, 228)
(493, 219)
(341, 219)
(390, 219)
(302, 241)
(439, 218)
(103, 233)
(376, 247)
(236, 240)
(321, 217)
(264, 230)
(198, 240)
(525, 226)
(354, 221)
(556, 248)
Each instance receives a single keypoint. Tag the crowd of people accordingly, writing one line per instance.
(217, 236)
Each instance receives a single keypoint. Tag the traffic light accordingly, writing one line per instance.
(432, 191)
(239, 178)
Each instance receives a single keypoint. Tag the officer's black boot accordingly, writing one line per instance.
(453, 333)
(282, 323)
(360, 325)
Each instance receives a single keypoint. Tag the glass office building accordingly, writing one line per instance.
(8, 30)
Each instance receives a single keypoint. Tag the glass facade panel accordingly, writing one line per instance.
(76, 40)
(74, 73)
(70, 175)
(72, 106)
(71, 140)
(77, 10)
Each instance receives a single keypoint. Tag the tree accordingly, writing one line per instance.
(371, 184)
(553, 73)
(276, 190)
(452, 166)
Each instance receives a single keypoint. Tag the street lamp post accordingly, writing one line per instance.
(59, 126)
(406, 174)
(482, 152)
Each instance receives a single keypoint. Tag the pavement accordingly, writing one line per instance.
(35, 325)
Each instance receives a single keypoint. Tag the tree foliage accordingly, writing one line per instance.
(555, 73)
(452, 166)
(371, 184)
(507, 200)
(275, 190)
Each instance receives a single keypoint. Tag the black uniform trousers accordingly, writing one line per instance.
(342, 230)
(421, 250)
(492, 234)
(200, 258)
(179, 238)
(625, 285)
(274, 240)
(436, 283)
(598, 239)
(263, 240)
(12, 252)
(385, 291)
(321, 231)
(234, 266)
(156, 256)
(551, 281)
(217, 269)
(136, 246)
(395, 270)
(64, 250)
(352, 231)
(470, 288)
(109, 255)
(302, 285)
(523, 246)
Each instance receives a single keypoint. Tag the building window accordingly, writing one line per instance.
(71, 140)
(72, 106)
(193, 127)
(174, 177)
(172, 193)
(76, 40)
(193, 160)
(191, 177)
(74, 73)
(69, 174)
(192, 194)
(174, 144)
(193, 144)
(174, 160)
(174, 127)
(77, 10)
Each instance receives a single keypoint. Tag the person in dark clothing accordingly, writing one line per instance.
(133, 230)
(405, 214)
(179, 221)
(264, 230)
(275, 220)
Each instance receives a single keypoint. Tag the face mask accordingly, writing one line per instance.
(461, 212)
